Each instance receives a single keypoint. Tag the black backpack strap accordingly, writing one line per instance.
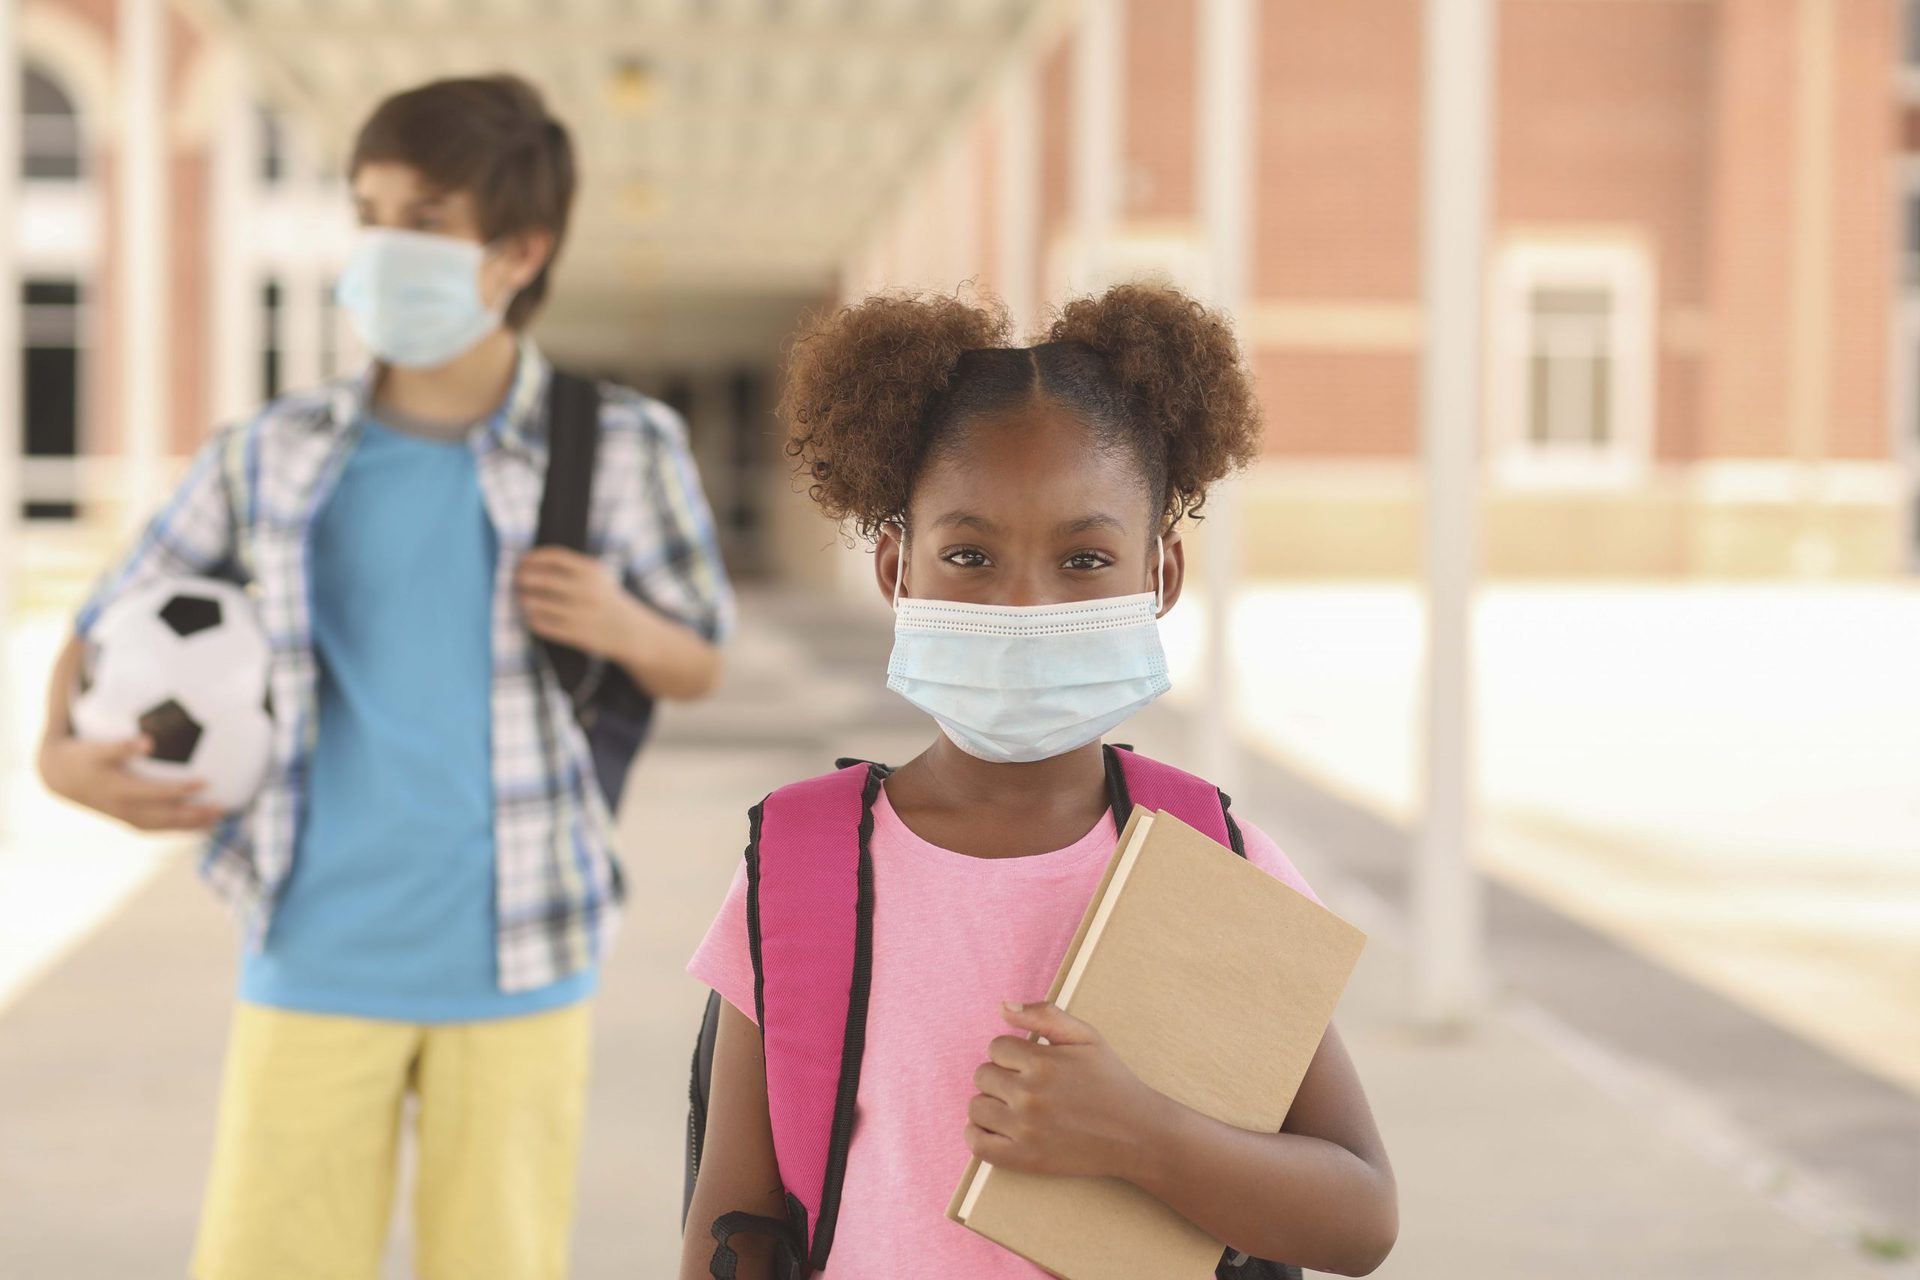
(725, 1264)
(573, 441)
(1236, 841)
(1234, 1265)
(699, 1090)
(1122, 802)
(1238, 1266)
(854, 1045)
(812, 1235)
(1117, 797)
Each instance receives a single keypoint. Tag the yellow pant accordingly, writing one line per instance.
(303, 1165)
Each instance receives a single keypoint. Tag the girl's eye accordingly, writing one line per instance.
(1085, 561)
(966, 558)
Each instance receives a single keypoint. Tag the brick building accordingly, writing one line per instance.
(1694, 282)
(246, 226)
(1703, 322)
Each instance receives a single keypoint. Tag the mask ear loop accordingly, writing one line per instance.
(899, 565)
(499, 313)
(1160, 579)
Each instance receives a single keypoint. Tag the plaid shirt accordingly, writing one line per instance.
(244, 512)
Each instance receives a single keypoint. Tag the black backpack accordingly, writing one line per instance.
(614, 712)
(1233, 1266)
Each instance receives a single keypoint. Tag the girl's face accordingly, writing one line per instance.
(1030, 509)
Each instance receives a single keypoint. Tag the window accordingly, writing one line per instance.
(50, 394)
(1572, 392)
(1568, 369)
(271, 313)
(49, 129)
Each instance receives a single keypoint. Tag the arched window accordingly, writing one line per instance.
(49, 129)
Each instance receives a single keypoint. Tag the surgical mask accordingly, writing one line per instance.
(1018, 683)
(414, 297)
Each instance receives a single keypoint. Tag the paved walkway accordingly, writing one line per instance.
(1719, 775)
(1534, 1147)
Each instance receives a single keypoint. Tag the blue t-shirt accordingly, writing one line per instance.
(389, 910)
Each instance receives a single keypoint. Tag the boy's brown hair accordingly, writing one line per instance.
(491, 137)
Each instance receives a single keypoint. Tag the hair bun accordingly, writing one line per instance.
(860, 382)
(1183, 374)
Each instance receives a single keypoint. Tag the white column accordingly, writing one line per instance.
(865, 272)
(1098, 108)
(301, 278)
(1229, 53)
(1810, 266)
(235, 268)
(1448, 964)
(11, 441)
(916, 235)
(145, 389)
(959, 185)
(1018, 196)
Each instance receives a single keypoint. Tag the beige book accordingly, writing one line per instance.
(1214, 982)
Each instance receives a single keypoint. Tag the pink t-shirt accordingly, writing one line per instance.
(953, 936)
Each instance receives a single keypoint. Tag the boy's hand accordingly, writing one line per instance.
(571, 599)
(95, 774)
(1069, 1106)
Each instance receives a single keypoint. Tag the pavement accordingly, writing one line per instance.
(1718, 775)
(1609, 1116)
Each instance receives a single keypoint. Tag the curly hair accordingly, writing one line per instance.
(874, 390)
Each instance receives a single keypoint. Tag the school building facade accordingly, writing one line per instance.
(244, 219)
(1702, 331)
(1702, 282)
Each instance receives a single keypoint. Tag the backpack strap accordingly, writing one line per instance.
(573, 440)
(731, 1226)
(810, 930)
(1134, 779)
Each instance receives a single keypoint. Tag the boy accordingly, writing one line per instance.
(426, 881)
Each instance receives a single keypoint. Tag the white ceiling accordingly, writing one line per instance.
(731, 150)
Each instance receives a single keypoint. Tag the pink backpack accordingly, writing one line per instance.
(810, 930)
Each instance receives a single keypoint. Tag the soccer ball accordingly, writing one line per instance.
(184, 662)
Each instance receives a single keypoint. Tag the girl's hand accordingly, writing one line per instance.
(571, 599)
(1069, 1106)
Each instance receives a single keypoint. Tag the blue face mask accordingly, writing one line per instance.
(1017, 683)
(413, 297)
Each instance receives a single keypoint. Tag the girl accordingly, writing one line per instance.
(1012, 486)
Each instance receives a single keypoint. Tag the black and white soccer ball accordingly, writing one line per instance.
(184, 662)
